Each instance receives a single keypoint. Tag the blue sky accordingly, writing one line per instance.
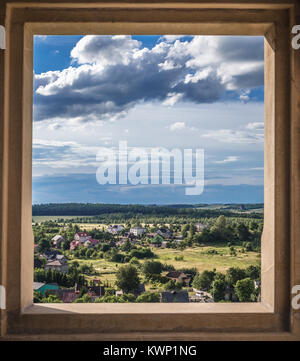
(150, 91)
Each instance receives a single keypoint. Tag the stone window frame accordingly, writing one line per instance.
(272, 318)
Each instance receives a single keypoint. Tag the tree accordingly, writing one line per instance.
(203, 280)
(253, 272)
(184, 230)
(148, 297)
(218, 290)
(248, 246)
(243, 233)
(192, 229)
(127, 278)
(235, 274)
(244, 289)
(43, 245)
(173, 286)
(152, 268)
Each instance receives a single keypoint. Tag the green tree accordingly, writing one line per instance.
(244, 289)
(184, 230)
(152, 268)
(203, 280)
(218, 290)
(235, 274)
(148, 297)
(127, 278)
(173, 286)
(253, 272)
(243, 233)
(43, 245)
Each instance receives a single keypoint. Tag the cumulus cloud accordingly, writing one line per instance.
(105, 50)
(109, 75)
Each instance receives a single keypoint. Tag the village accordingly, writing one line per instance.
(140, 275)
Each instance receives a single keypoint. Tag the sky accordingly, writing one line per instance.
(183, 92)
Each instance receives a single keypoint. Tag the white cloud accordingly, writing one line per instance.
(234, 136)
(105, 50)
(255, 125)
(229, 159)
(177, 126)
(172, 98)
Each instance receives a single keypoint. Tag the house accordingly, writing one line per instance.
(96, 291)
(137, 231)
(66, 296)
(91, 243)
(43, 287)
(57, 240)
(87, 243)
(138, 291)
(200, 227)
(50, 255)
(178, 277)
(38, 286)
(256, 284)
(132, 238)
(174, 297)
(82, 237)
(74, 245)
(62, 258)
(152, 234)
(178, 239)
(202, 295)
(115, 229)
(60, 264)
(94, 242)
(165, 233)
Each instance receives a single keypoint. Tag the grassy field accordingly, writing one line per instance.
(197, 257)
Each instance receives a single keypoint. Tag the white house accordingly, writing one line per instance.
(137, 231)
(200, 227)
(115, 229)
(82, 237)
(57, 240)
